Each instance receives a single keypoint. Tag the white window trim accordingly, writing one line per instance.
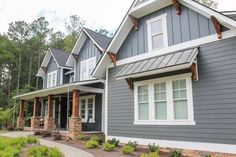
(89, 77)
(164, 29)
(170, 106)
(86, 108)
(51, 73)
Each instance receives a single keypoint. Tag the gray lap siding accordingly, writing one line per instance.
(214, 98)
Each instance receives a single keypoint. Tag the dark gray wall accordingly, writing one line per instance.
(188, 26)
(89, 50)
(52, 66)
(214, 99)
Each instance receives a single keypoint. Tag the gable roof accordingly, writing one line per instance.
(145, 8)
(59, 56)
(101, 41)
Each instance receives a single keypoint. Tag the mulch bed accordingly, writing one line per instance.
(100, 153)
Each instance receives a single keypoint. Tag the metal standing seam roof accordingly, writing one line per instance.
(60, 56)
(174, 59)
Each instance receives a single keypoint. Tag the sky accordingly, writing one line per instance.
(106, 14)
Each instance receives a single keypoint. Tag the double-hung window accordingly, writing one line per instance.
(87, 108)
(157, 33)
(164, 101)
(52, 79)
(86, 68)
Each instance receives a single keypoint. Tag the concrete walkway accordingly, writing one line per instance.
(67, 150)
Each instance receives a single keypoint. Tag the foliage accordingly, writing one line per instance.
(127, 149)
(6, 118)
(80, 137)
(108, 147)
(46, 133)
(151, 154)
(152, 148)
(210, 3)
(57, 135)
(133, 144)
(175, 153)
(42, 151)
(38, 132)
(11, 147)
(113, 141)
(91, 144)
(97, 139)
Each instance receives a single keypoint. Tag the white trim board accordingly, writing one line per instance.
(212, 147)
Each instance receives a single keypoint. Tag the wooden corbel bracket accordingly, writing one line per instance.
(112, 57)
(177, 6)
(134, 21)
(129, 81)
(217, 26)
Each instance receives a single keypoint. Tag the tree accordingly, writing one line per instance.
(210, 3)
(56, 40)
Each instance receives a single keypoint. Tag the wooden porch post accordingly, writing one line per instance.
(21, 118)
(75, 124)
(49, 120)
(35, 120)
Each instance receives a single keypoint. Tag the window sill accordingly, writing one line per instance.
(164, 123)
(91, 121)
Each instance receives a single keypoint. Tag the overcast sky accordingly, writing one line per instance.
(97, 13)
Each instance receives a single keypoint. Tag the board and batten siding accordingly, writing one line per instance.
(214, 97)
(88, 50)
(188, 26)
(52, 66)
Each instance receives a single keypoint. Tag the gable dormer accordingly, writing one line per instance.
(86, 53)
(53, 68)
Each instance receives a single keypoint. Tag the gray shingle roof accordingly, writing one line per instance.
(60, 56)
(158, 63)
(100, 39)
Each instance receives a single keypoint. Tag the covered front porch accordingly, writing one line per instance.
(72, 108)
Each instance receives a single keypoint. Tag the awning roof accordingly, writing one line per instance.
(62, 89)
(161, 64)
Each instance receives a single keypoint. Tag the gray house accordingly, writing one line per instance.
(170, 77)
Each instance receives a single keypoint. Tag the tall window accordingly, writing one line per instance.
(87, 108)
(157, 33)
(86, 68)
(52, 79)
(164, 101)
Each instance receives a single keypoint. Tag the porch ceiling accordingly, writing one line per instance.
(62, 89)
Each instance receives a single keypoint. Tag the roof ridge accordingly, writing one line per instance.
(96, 32)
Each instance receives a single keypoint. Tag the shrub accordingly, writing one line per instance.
(97, 139)
(46, 133)
(127, 149)
(151, 154)
(152, 148)
(10, 128)
(114, 142)
(80, 137)
(38, 132)
(133, 144)
(91, 144)
(175, 153)
(108, 147)
(42, 151)
(57, 135)
(31, 140)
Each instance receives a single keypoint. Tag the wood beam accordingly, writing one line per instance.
(50, 106)
(134, 21)
(129, 81)
(75, 103)
(75, 56)
(194, 71)
(217, 26)
(22, 108)
(36, 103)
(177, 6)
(112, 57)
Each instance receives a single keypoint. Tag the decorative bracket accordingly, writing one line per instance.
(129, 81)
(194, 71)
(112, 57)
(75, 56)
(134, 21)
(177, 6)
(217, 26)
(44, 69)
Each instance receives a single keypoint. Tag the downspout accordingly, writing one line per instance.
(68, 108)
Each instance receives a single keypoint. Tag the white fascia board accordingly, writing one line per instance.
(46, 59)
(69, 61)
(100, 70)
(205, 11)
(158, 71)
(54, 59)
(40, 73)
(82, 37)
(101, 49)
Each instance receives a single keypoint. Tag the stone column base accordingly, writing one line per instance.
(75, 127)
(20, 122)
(35, 123)
(49, 124)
